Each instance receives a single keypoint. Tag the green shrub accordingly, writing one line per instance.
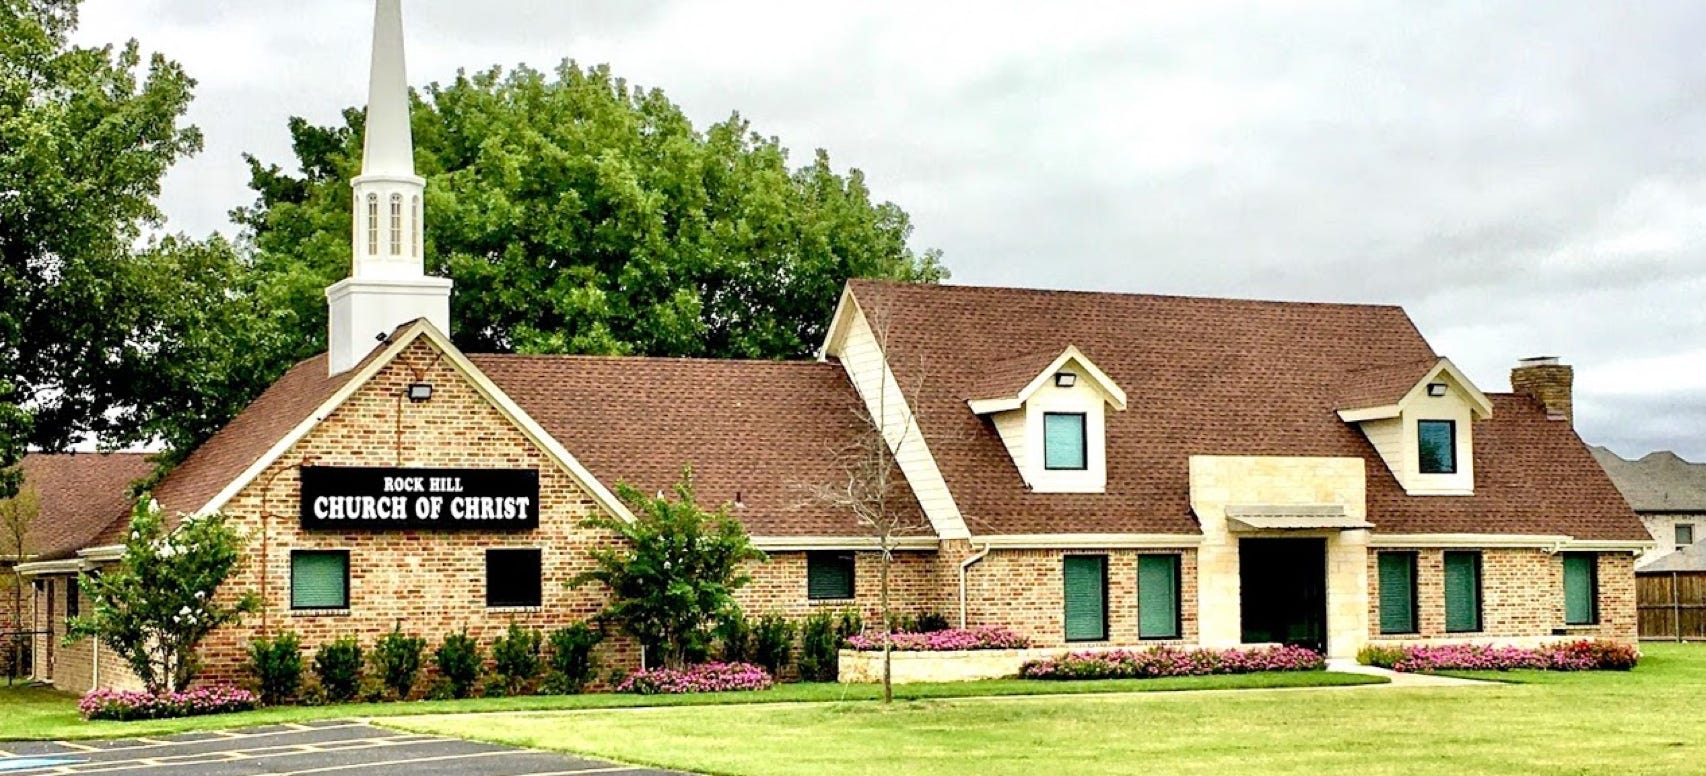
(929, 622)
(458, 660)
(276, 665)
(1379, 656)
(848, 624)
(515, 658)
(820, 644)
(571, 662)
(440, 690)
(338, 666)
(397, 660)
(772, 641)
(734, 638)
(494, 687)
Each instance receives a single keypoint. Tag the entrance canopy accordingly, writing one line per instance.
(1291, 517)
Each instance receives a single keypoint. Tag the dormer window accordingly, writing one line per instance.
(1436, 446)
(1051, 410)
(1065, 441)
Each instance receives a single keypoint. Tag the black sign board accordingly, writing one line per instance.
(352, 498)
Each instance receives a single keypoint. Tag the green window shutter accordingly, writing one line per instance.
(1462, 591)
(1580, 597)
(318, 580)
(1158, 596)
(1064, 441)
(1086, 589)
(829, 575)
(1397, 592)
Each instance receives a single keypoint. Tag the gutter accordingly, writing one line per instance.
(965, 566)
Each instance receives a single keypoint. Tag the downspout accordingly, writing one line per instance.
(965, 566)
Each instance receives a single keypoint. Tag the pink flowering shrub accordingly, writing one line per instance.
(705, 677)
(1164, 660)
(126, 705)
(1583, 655)
(950, 640)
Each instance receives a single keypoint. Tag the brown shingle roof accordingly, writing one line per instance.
(207, 470)
(1010, 375)
(1213, 377)
(762, 431)
(1379, 386)
(80, 494)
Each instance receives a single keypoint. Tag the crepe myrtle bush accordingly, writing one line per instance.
(674, 574)
(154, 607)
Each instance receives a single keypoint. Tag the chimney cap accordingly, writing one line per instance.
(1537, 361)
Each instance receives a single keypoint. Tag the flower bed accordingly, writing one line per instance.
(1581, 655)
(705, 677)
(951, 640)
(1171, 661)
(124, 705)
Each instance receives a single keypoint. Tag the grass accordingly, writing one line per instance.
(1638, 722)
(35, 713)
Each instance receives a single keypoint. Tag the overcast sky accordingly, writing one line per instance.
(1526, 180)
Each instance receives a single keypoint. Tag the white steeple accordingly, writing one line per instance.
(388, 285)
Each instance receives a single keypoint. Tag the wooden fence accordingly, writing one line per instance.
(1672, 605)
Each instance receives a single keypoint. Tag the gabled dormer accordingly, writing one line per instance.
(1420, 418)
(1050, 409)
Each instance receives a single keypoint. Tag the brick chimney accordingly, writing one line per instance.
(1548, 381)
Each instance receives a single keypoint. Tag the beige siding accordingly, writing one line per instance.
(1011, 427)
(884, 398)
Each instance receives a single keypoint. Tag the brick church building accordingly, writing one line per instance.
(1084, 468)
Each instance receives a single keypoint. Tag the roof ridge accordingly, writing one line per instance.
(664, 359)
(1126, 294)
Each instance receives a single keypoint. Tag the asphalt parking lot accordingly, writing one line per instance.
(324, 747)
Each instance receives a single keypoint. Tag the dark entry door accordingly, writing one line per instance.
(1284, 591)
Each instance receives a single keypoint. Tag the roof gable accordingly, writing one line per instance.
(1008, 384)
(1382, 392)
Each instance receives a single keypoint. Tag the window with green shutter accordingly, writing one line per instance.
(319, 579)
(1086, 593)
(1397, 592)
(1158, 596)
(514, 578)
(829, 575)
(1065, 441)
(1581, 588)
(1462, 592)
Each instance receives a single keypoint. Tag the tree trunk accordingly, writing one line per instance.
(888, 643)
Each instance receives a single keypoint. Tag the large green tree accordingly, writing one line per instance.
(579, 214)
(100, 334)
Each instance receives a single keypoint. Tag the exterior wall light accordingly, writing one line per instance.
(1065, 379)
(1436, 390)
(419, 392)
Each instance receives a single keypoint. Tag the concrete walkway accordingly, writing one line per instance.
(1400, 679)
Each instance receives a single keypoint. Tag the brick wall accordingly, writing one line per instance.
(915, 587)
(1023, 590)
(427, 583)
(1522, 595)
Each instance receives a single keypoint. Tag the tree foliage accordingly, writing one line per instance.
(578, 214)
(675, 573)
(162, 598)
(101, 335)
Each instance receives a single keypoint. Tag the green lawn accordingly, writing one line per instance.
(31, 713)
(1591, 723)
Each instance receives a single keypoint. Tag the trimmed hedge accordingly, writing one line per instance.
(1582, 655)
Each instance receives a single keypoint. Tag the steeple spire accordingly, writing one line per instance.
(389, 147)
(388, 285)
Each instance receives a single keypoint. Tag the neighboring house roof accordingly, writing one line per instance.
(1690, 558)
(1214, 377)
(80, 494)
(758, 434)
(1658, 482)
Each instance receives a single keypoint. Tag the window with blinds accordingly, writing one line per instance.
(319, 579)
(513, 578)
(1086, 596)
(1158, 596)
(1065, 441)
(829, 575)
(1581, 588)
(1397, 592)
(1462, 591)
